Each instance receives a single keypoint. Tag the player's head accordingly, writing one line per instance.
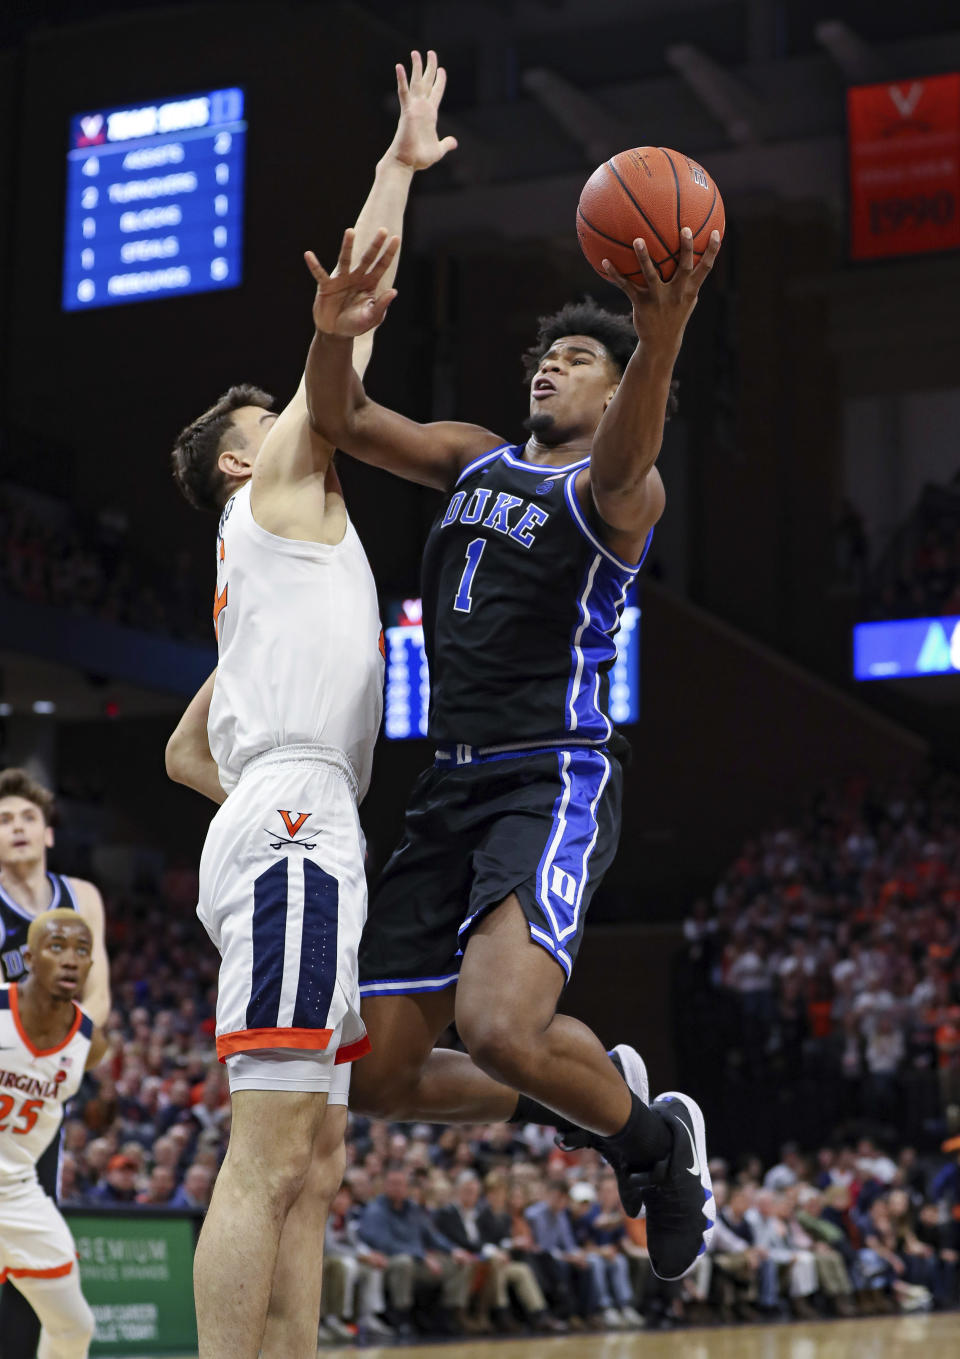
(59, 952)
(27, 811)
(575, 367)
(214, 456)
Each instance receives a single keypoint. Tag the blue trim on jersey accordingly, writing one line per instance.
(545, 469)
(580, 519)
(318, 948)
(59, 888)
(479, 462)
(86, 1025)
(4, 998)
(592, 646)
(407, 986)
(65, 890)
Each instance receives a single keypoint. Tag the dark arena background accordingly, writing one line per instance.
(780, 930)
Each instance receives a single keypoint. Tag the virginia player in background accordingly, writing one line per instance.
(27, 888)
(46, 1044)
(525, 574)
(287, 724)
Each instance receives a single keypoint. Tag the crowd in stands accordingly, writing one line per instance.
(848, 924)
(51, 554)
(832, 949)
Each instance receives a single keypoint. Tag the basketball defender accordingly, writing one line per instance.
(28, 888)
(46, 1044)
(287, 725)
(479, 913)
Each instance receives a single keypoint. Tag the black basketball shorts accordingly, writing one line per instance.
(544, 824)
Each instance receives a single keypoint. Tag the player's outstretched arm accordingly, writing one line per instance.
(349, 304)
(96, 991)
(416, 146)
(294, 455)
(99, 1046)
(624, 482)
(187, 757)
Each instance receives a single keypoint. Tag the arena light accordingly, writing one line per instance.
(44, 707)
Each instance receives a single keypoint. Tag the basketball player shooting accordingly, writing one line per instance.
(27, 889)
(287, 726)
(46, 1044)
(525, 574)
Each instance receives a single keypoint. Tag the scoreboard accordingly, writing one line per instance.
(154, 200)
(407, 701)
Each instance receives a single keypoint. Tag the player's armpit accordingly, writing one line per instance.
(626, 516)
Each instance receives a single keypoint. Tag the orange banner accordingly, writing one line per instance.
(904, 167)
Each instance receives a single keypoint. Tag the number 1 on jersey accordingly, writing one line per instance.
(463, 603)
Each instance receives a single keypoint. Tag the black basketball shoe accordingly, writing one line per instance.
(677, 1193)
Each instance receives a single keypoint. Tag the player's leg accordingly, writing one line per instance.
(272, 1137)
(658, 1152)
(65, 1316)
(405, 1077)
(294, 1311)
(19, 1323)
(506, 1015)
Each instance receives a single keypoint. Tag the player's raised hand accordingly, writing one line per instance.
(415, 142)
(661, 310)
(346, 303)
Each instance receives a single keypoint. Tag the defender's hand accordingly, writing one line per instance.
(662, 310)
(347, 304)
(415, 142)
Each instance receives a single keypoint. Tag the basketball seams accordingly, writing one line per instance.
(676, 182)
(706, 219)
(616, 174)
(613, 241)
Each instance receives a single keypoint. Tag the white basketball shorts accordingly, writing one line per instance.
(35, 1241)
(283, 896)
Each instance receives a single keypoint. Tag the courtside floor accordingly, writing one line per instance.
(910, 1337)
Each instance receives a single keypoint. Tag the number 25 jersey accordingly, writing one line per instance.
(35, 1084)
(522, 601)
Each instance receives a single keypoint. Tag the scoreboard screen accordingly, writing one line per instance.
(407, 701)
(907, 646)
(154, 200)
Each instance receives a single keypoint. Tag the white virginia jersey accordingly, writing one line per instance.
(300, 643)
(34, 1087)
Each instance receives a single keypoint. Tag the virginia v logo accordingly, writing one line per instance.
(294, 823)
(906, 103)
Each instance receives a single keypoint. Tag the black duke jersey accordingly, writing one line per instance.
(521, 603)
(15, 921)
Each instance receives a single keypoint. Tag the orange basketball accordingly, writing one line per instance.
(650, 192)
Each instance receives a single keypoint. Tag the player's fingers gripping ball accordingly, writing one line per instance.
(650, 192)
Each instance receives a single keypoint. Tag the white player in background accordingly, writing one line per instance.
(287, 725)
(46, 1044)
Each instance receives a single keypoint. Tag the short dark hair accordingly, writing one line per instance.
(614, 330)
(18, 783)
(198, 447)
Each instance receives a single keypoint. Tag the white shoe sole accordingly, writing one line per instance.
(634, 1071)
(700, 1141)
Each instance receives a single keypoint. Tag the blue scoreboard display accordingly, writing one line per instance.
(154, 200)
(407, 702)
(907, 646)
